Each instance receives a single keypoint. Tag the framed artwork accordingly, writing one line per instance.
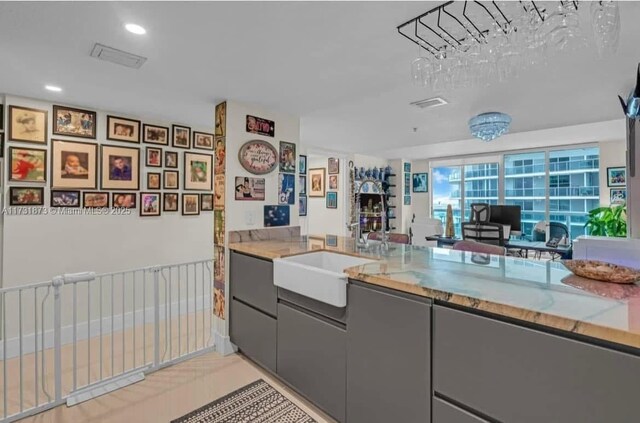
(26, 196)
(333, 166)
(302, 205)
(123, 129)
(333, 181)
(218, 191)
(221, 119)
(28, 164)
(407, 183)
(153, 134)
(153, 180)
(316, 243)
(170, 202)
(181, 136)
(286, 189)
(332, 200)
(61, 198)
(95, 200)
(258, 157)
(171, 159)
(170, 180)
(276, 216)
(317, 185)
(206, 202)
(153, 157)
(27, 125)
(407, 167)
(407, 200)
(1, 144)
(202, 140)
(249, 189)
(149, 204)
(218, 227)
(302, 184)
(1, 117)
(74, 122)
(123, 200)
(332, 240)
(120, 167)
(198, 172)
(190, 204)
(220, 154)
(287, 157)
(616, 176)
(420, 182)
(260, 126)
(302, 164)
(74, 164)
(618, 196)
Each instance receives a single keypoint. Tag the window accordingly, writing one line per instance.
(480, 185)
(446, 191)
(524, 186)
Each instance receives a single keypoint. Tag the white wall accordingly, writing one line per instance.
(420, 201)
(320, 219)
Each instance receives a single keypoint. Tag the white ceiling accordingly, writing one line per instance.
(341, 66)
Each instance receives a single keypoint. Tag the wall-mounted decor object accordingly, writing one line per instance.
(331, 240)
(123, 129)
(120, 167)
(302, 185)
(74, 122)
(302, 205)
(420, 182)
(276, 216)
(1, 145)
(171, 159)
(153, 157)
(616, 176)
(221, 119)
(332, 200)
(407, 184)
(153, 180)
(286, 189)
(407, 167)
(287, 157)
(407, 200)
(198, 172)
(181, 136)
(123, 200)
(74, 164)
(153, 134)
(333, 166)
(219, 206)
(28, 164)
(618, 196)
(249, 189)
(219, 183)
(26, 196)
(60, 198)
(316, 243)
(218, 222)
(1, 117)
(260, 126)
(302, 164)
(170, 179)
(333, 181)
(317, 186)
(258, 157)
(95, 200)
(190, 204)
(28, 125)
(170, 202)
(206, 202)
(218, 281)
(202, 140)
(149, 204)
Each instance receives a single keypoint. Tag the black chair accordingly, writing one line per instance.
(558, 230)
(480, 213)
(488, 233)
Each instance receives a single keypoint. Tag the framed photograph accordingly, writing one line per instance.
(333, 166)
(260, 126)
(276, 216)
(618, 196)
(218, 191)
(220, 153)
(407, 200)
(407, 167)
(27, 125)
(286, 189)
(149, 204)
(170, 180)
(28, 164)
(218, 227)
(198, 172)
(171, 159)
(153, 157)
(206, 202)
(249, 189)
(420, 182)
(616, 176)
(302, 164)
(170, 202)
(332, 240)
(190, 204)
(60, 198)
(202, 140)
(120, 167)
(123, 129)
(287, 157)
(333, 181)
(302, 184)
(181, 136)
(153, 134)
(317, 186)
(221, 119)
(74, 164)
(74, 122)
(302, 205)
(153, 180)
(95, 200)
(407, 183)
(123, 200)
(332, 200)
(26, 196)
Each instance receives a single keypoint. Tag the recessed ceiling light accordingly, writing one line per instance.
(136, 29)
(53, 88)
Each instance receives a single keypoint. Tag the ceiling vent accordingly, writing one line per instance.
(429, 103)
(118, 57)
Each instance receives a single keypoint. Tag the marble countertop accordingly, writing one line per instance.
(539, 292)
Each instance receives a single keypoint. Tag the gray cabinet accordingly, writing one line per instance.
(312, 358)
(444, 412)
(251, 281)
(254, 333)
(388, 356)
(520, 375)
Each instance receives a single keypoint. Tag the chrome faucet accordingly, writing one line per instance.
(359, 238)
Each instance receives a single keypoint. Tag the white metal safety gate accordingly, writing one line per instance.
(81, 335)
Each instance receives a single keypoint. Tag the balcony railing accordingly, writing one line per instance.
(524, 170)
(574, 192)
(590, 164)
(525, 192)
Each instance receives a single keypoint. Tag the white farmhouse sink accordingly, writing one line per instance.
(316, 275)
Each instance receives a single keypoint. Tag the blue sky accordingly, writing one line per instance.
(441, 187)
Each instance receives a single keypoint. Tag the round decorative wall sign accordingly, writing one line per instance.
(258, 157)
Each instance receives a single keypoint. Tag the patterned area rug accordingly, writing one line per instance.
(257, 402)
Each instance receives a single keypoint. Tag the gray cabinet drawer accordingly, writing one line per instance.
(254, 333)
(443, 412)
(312, 358)
(515, 374)
(251, 281)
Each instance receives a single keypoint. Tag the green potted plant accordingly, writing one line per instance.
(608, 221)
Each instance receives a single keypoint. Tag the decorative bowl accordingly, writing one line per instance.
(601, 271)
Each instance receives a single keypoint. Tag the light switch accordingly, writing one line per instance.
(249, 217)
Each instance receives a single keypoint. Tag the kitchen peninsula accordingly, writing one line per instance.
(435, 335)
